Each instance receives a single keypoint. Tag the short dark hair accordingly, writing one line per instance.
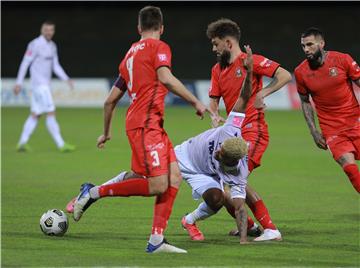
(48, 22)
(150, 18)
(313, 31)
(222, 28)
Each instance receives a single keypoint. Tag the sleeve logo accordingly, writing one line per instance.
(162, 57)
(265, 63)
(28, 53)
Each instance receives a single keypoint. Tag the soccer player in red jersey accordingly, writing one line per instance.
(145, 73)
(227, 77)
(327, 77)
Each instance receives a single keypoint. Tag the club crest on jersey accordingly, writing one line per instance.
(333, 71)
(238, 72)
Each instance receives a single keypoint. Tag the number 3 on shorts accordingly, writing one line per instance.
(155, 156)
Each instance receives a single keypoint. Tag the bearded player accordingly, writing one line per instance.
(327, 77)
(227, 77)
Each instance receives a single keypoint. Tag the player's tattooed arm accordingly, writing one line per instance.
(308, 112)
(241, 218)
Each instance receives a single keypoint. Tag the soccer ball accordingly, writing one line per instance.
(54, 222)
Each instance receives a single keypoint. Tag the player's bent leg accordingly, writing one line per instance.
(348, 164)
(89, 193)
(214, 200)
(124, 175)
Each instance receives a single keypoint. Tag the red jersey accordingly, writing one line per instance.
(331, 89)
(147, 94)
(228, 82)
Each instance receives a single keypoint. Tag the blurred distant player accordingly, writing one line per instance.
(227, 77)
(145, 73)
(41, 55)
(217, 157)
(327, 77)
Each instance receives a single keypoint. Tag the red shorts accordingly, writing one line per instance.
(152, 151)
(347, 141)
(257, 135)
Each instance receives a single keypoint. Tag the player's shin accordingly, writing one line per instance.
(162, 211)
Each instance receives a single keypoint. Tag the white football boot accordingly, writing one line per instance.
(163, 247)
(268, 235)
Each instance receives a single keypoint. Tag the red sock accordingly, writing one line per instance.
(231, 211)
(162, 210)
(352, 171)
(262, 215)
(131, 187)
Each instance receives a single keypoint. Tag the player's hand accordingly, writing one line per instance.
(201, 109)
(71, 84)
(259, 102)
(319, 140)
(101, 141)
(248, 62)
(17, 89)
(216, 120)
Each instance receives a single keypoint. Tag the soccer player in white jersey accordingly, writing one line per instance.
(41, 55)
(216, 157)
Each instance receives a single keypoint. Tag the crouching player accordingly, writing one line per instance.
(216, 157)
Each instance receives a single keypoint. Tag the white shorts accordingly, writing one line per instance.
(200, 183)
(41, 100)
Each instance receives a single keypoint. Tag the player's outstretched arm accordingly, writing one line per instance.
(280, 79)
(308, 112)
(241, 218)
(246, 89)
(175, 86)
(116, 93)
(216, 119)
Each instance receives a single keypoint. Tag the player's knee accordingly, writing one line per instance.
(158, 185)
(214, 198)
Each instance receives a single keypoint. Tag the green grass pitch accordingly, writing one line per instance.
(307, 194)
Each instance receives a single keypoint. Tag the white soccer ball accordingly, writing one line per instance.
(54, 222)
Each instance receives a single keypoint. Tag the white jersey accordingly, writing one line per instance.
(198, 153)
(43, 58)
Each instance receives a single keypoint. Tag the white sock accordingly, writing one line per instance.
(94, 192)
(201, 213)
(118, 178)
(156, 239)
(54, 130)
(28, 129)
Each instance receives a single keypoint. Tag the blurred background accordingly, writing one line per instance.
(92, 37)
